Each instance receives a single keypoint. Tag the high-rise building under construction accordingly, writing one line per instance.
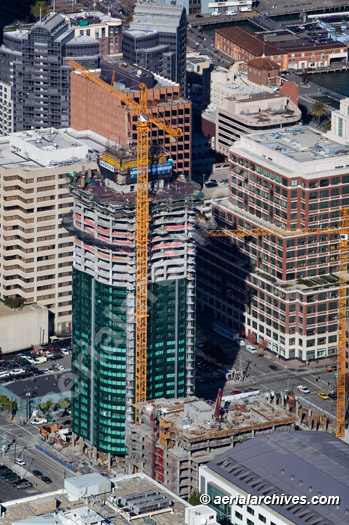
(104, 282)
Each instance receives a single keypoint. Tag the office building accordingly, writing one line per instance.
(156, 40)
(6, 109)
(36, 78)
(104, 283)
(104, 28)
(340, 122)
(175, 437)
(242, 103)
(36, 251)
(281, 287)
(96, 109)
(33, 320)
(294, 464)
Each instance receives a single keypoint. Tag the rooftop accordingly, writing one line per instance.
(192, 419)
(294, 463)
(32, 150)
(6, 310)
(125, 486)
(93, 17)
(264, 64)
(301, 144)
(286, 40)
(98, 192)
(248, 40)
(162, 18)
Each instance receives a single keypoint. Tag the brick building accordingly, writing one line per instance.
(281, 287)
(96, 109)
(263, 71)
(244, 45)
(285, 48)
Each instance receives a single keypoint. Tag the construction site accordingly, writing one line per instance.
(103, 223)
(175, 437)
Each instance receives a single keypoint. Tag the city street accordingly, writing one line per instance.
(26, 438)
(268, 374)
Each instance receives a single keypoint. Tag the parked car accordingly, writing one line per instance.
(17, 372)
(24, 485)
(303, 389)
(65, 351)
(322, 395)
(11, 479)
(37, 473)
(273, 368)
(19, 461)
(235, 392)
(251, 349)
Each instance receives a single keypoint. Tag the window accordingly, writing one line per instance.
(262, 518)
(340, 127)
(250, 511)
(238, 515)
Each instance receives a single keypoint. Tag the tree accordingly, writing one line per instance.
(194, 498)
(63, 403)
(35, 9)
(45, 407)
(327, 125)
(251, 338)
(319, 110)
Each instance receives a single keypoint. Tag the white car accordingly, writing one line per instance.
(39, 421)
(17, 372)
(65, 351)
(20, 461)
(303, 389)
(251, 349)
(60, 367)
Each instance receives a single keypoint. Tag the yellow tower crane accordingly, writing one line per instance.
(343, 232)
(142, 218)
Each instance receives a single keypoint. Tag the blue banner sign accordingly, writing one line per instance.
(155, 169)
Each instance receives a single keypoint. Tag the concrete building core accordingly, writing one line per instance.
(104, 280)
(175, 437)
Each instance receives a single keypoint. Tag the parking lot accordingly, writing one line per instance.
(23, 365)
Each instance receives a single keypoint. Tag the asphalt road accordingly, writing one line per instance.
(26, 437)
(206, 41)
(263, 378)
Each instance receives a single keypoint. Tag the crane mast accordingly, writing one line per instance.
(142, 228)
(142, 219)
(343, 232)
